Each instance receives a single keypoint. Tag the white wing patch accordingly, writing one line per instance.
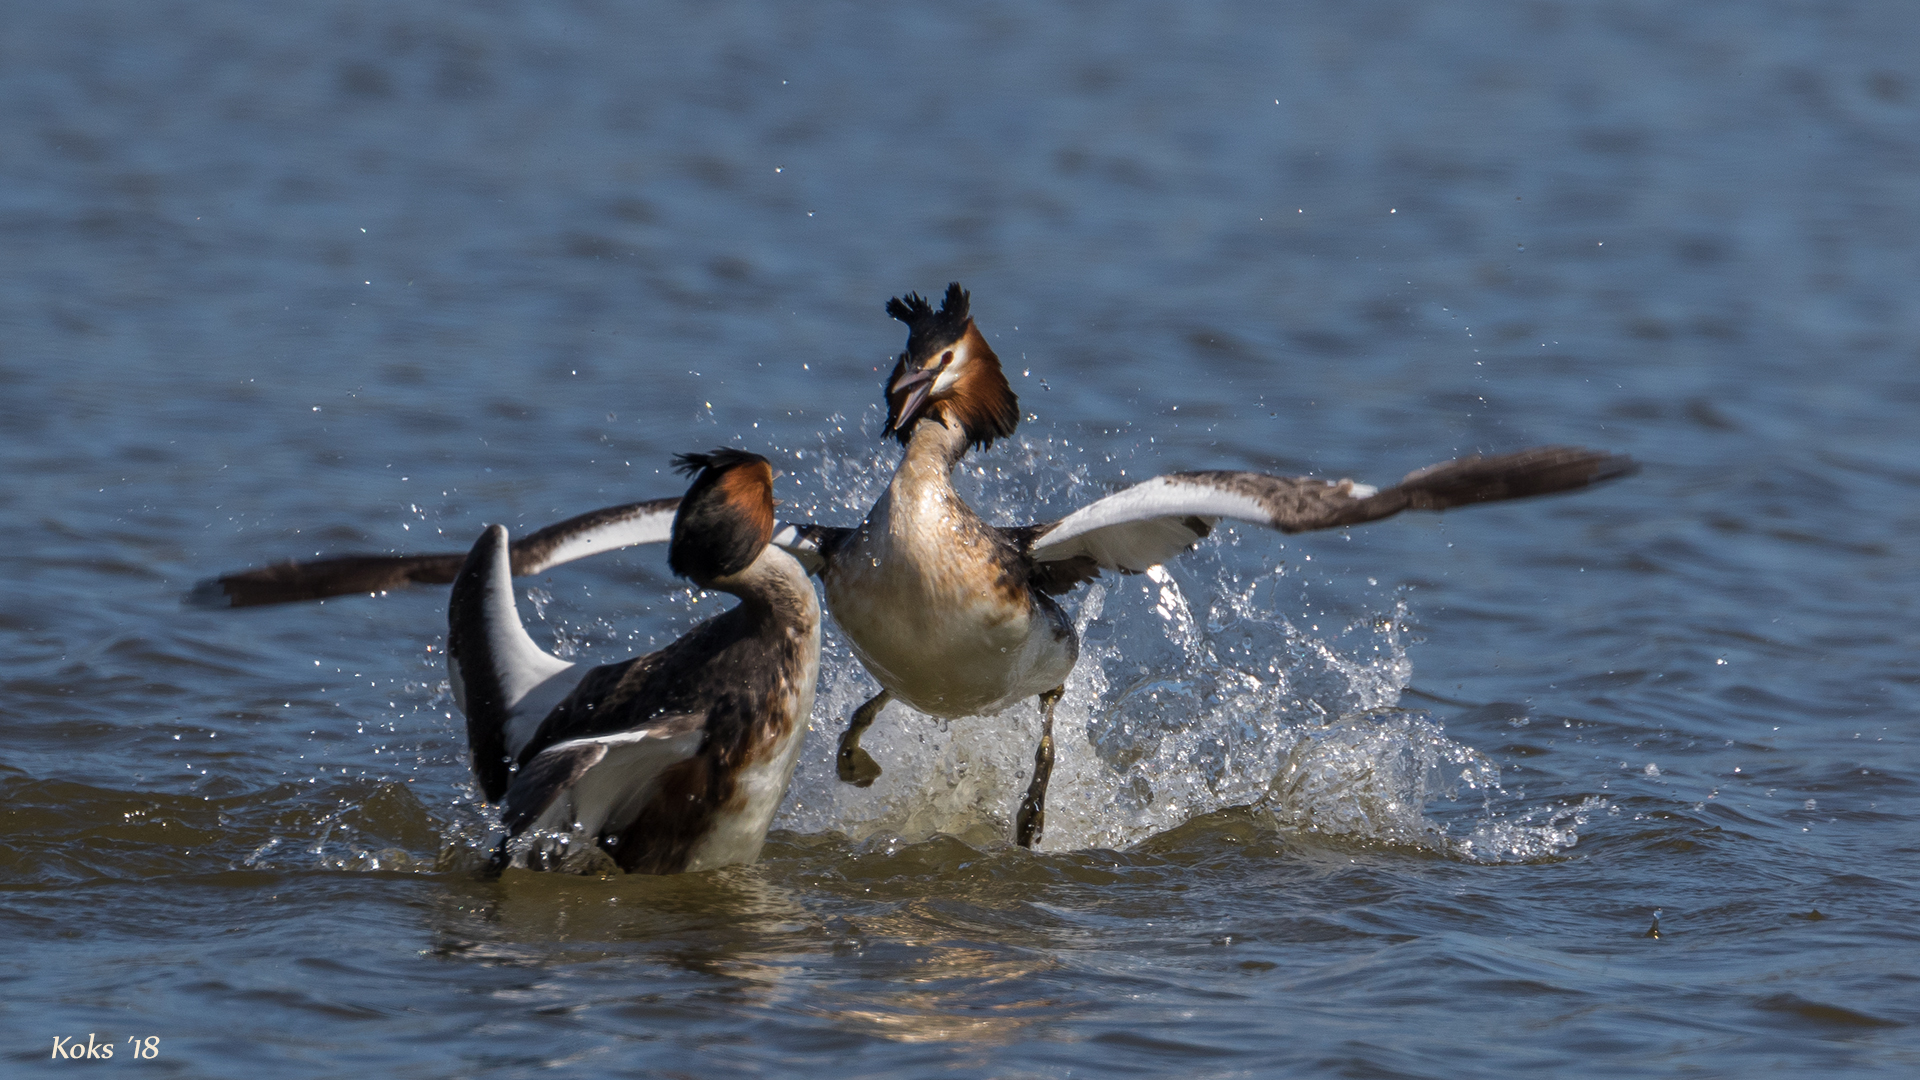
(531, 680)
(621, 771)
(650, 526)
(1153, 521)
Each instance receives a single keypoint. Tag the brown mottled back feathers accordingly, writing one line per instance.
(729, 673)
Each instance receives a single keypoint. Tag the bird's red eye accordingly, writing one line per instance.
(946, 358)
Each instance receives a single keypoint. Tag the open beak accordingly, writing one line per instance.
(917, 384)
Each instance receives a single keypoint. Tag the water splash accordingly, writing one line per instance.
(1197, 690)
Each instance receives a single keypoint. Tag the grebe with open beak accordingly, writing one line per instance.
(951, 615)
(671, 761)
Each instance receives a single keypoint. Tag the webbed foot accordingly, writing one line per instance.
(854, 765)
(1032, 818)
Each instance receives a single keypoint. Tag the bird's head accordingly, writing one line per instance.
(725, 519)
(948, 372)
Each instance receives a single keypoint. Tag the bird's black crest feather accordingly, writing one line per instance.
(984, 404)
(723, 457)
(928, 329)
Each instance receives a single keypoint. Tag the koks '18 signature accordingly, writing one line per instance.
(92, 1050)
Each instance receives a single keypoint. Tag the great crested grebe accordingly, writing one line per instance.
(671, 761)
(954, 616)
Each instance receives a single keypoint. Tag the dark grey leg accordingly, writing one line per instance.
(1032, 818)
(497, 865)
(855, 765)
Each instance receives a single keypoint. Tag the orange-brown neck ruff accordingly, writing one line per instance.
(748, 493)
(948, 372)
(981, 401)
(724, 521)
(962, 387)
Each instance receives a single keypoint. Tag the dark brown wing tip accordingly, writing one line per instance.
(209, 593)
(281, 583)
(1566, 468)
(1614, 467)
(342, 575)
(1539, 470)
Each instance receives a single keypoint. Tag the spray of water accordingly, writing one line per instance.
(1196, 691)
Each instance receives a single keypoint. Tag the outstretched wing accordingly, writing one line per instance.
(504, 682)
(1151, 522)
(591, 533)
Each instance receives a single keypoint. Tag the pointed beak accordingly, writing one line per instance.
(916, 384)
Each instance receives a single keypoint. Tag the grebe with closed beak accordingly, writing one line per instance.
(669, 762)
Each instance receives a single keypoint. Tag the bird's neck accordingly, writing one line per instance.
(935, 447)
(773, 587)
(923, 519)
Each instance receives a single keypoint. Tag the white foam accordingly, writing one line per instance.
(1197, 689)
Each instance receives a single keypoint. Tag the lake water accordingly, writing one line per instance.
(1617, 784)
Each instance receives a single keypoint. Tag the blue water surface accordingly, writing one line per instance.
(1616, 784)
